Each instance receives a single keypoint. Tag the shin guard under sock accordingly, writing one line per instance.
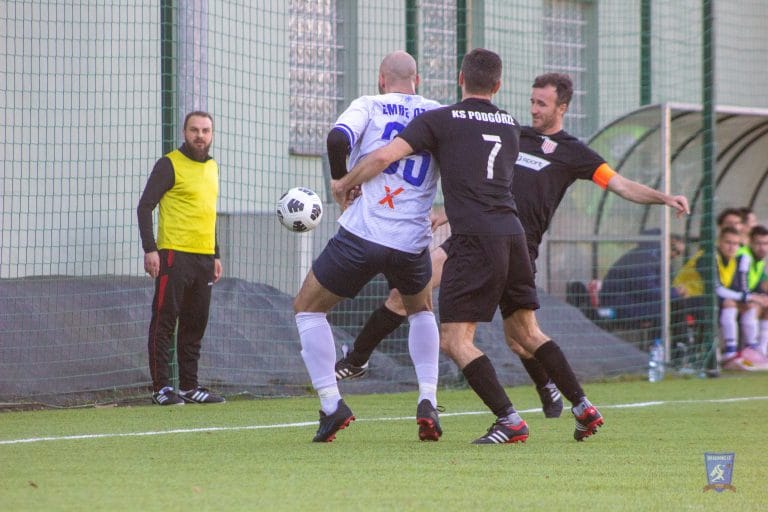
(482, 378)
(380, 324)
(536, 371)
(556, 365)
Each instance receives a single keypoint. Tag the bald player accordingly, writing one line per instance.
(385, 229)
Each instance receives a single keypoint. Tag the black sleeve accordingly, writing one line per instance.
(160, 181)
(419, 133)
(586, 163)
(338, 150)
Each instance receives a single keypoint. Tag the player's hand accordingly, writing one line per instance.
(353, 194)
(680, 203)
(339, 193)
(342, 195)
(218, 270)
(759, 299)
(152, 263)
(437, 219)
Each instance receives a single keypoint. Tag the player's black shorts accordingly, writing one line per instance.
(349, 262)
(485, 272)
(533, 252)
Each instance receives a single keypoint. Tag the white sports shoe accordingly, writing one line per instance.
(754, 359)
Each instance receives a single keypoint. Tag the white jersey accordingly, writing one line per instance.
(394, 207)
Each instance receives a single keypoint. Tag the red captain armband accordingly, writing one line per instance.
(603, 175)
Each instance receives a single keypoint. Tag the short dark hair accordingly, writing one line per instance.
(198, 113)
(757, 231)
(482, 70)
(560, 81)
(728, 230)
(725, 213)
(745, 212)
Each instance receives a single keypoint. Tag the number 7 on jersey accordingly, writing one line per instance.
(494, 151)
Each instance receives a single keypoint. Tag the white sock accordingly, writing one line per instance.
(729, 328)
(763, 337)
(424, 347)
(748, 323)
(329, 398)
(319, 353)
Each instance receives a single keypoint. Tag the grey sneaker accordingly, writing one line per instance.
(167, 396)
(201, 395)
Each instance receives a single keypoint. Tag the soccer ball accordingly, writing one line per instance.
(299, 209)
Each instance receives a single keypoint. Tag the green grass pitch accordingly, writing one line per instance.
(257, 455)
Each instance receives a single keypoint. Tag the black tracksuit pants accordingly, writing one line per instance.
(183, 292)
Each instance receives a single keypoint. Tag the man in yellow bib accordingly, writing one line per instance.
(184, 261)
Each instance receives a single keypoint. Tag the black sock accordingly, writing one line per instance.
(536, 371)
(380, 324)
(554, 362)
(481, 377)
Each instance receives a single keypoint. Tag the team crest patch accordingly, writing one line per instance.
(548, 146)
(719, 471)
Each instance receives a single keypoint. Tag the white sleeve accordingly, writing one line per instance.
(354, 119)
(726, 293)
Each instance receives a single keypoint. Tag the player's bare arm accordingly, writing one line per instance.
(639, 193)
(370, 166)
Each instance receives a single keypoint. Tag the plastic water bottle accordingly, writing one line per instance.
(656, 362)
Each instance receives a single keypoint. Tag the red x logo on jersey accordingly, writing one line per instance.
(388, 198)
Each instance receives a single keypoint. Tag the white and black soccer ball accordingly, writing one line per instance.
(299, 209)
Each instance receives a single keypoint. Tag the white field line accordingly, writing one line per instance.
(314, 423)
